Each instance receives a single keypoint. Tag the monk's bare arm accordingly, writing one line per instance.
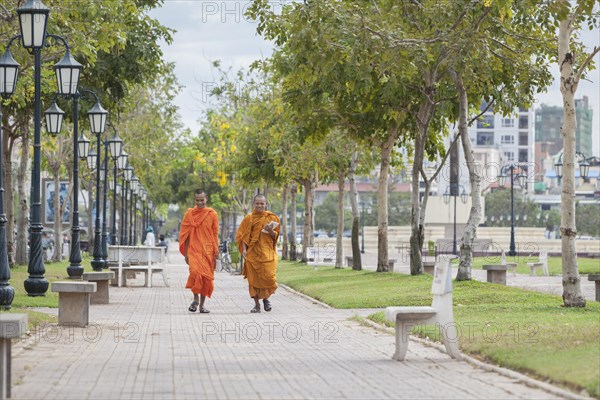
(187, 243)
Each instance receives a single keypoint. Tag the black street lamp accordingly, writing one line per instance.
(115, 145)
(127, 175)
(584, 166)
(135, 183)
(9, 71)
(33, 18)
(464, 197)
(104, 201)
(97, 126)
(80, 150)
(522, 180)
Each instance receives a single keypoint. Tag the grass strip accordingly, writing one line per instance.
(514, 328)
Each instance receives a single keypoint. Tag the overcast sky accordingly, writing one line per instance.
(218, 30)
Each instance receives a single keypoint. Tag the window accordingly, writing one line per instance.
(486, 122)
(538, 117)
(509, 155)
(485, 138)
(484, 105)
(508, 122)
(507, 139)
(523, 138)
(523, 122)
(523, 155)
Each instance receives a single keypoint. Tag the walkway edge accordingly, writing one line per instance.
(477, 363)
(488, 367)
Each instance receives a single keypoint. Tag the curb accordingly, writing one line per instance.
(521, 378)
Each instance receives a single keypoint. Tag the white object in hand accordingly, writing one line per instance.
(272, 224)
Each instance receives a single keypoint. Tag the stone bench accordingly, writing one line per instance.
(12, 326)
(440, 313)
(596, 279)
(320, 256)
(496, 273)
(429, 267)
(542, 264)
(129, 272)
(125, 260)
(74, 302)
(101, 279)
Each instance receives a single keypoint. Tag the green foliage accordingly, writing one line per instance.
(588, 219)
(527, 213)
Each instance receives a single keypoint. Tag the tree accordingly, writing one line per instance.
(570, 18)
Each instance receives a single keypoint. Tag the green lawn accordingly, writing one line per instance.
(522, 330)
(585, 265)
(23, 303)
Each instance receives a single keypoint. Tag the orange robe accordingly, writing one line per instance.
(260, 264)
(201, 227)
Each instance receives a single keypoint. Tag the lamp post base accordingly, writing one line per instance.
(75, 271)
(7, 294)
(36, 286)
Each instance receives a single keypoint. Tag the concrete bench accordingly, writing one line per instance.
(101, 279)
(510, 266)
(542, 264)
(321, 255)
(429, 267)
(596, 279)
(496, 273)
(129, 272)
(440, 313)
(124, 260)
(74, 302)
(12, 326)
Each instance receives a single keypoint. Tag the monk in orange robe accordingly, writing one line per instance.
(257, 240)
(198, 243)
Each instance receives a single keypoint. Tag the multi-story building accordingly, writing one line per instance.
(511, 136)
(549, 119)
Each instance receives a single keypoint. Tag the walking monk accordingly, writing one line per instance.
(198, 242)
(257, 240)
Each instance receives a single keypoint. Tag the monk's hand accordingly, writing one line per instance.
(187, 260)
(269, 229)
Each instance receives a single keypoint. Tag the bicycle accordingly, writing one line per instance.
(228, 263)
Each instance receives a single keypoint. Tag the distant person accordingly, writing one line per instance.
(162, 242)
(257, 241)
(198, 243)
(150, 238)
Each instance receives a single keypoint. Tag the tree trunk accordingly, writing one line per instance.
(339, 250)
(7, 146)
(284, 230)
(470, 231)
(356, 256)
(293, 252)
(308, 239)
(571, 280)
(23, 216)
(382, 202)
(424, 115)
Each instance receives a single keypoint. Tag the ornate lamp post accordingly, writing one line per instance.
(127, 175)
(97, 126)
(9, 70)
(135, 183)
(75, 270)
(584, 166)
(104, 175)
(115, 145)
(33, 18)
(464, 197)
(522, 180)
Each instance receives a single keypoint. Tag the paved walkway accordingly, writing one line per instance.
(146, 345)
